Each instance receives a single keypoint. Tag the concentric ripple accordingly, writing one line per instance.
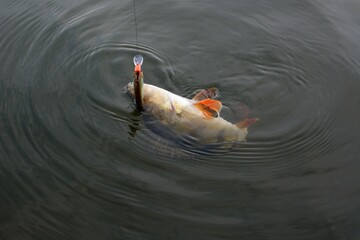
(77, 160)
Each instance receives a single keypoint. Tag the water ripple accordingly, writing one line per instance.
(74, 147)
(106, 59)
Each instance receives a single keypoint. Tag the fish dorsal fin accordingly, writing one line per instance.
(209, 107)
(206, 93)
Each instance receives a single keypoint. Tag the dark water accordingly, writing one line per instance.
(77, 162)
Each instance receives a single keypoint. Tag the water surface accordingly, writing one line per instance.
(77, 161)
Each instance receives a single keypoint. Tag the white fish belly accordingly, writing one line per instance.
(182, 116)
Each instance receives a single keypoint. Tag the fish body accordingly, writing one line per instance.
(197, 117)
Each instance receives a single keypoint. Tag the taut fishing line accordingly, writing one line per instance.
(138, 76)
(138, 58)
(136, 32)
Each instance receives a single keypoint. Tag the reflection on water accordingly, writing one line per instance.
(77, 161)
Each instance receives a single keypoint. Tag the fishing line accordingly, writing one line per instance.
(136, 32)
(138, 77)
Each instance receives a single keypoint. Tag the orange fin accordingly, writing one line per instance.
(206, 93)
(209, 107)
(246, 123)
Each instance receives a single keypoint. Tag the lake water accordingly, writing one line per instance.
(77, 161)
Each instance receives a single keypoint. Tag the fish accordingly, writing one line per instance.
(198, 117)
